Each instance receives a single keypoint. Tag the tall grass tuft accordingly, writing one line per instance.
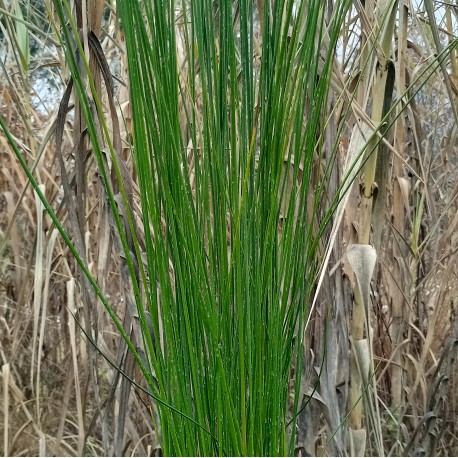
(229, 122)
(227, 149)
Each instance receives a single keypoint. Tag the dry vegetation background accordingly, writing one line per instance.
(60, 397)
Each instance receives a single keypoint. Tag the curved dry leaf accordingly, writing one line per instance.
(362, 259)
(363, 358)
(357, 439)
(404, 186)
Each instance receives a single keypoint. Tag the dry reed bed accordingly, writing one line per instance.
(57, 392)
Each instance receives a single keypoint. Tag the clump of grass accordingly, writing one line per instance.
(234, 280)
(233, 206)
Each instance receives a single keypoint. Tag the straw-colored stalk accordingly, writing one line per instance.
(396, 285)
(361, 333)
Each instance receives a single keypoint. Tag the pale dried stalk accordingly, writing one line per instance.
(396, 293)
(360, 325)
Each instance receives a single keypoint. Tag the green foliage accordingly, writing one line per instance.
(234, 204)
(233, 301)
